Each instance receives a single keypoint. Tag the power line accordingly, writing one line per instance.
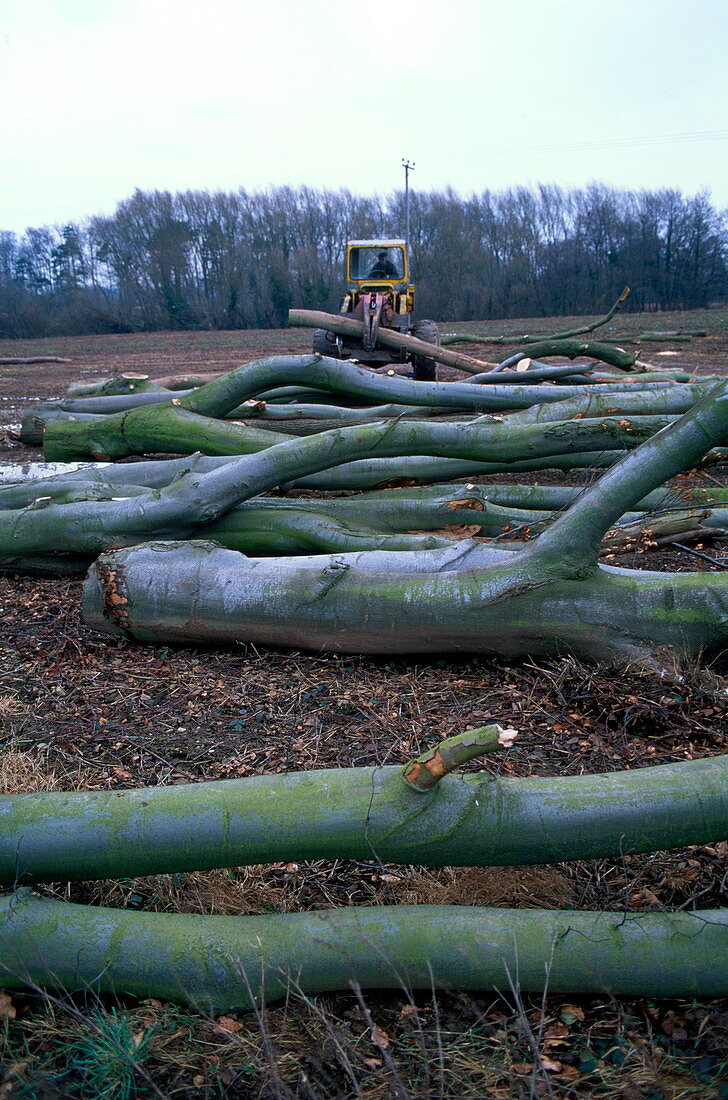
(589, 146)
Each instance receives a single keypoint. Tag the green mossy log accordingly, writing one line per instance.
(360, 813)
(194, 421)
(573, 349)
(526, 338)
(195, 500)
(307, 417)
(217, 964)
(406, 504)
(550, 597)
(290, 527)
(525, 603)
(131, 383)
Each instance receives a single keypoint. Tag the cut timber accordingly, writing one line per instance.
(348, 326)
(220, 963)
(589, 349)
(549, 598)
(526, 338)
(192, 422)
(360, 813)
(82, 526)
(9, 360)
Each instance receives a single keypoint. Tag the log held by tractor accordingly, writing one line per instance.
(351, 329)
(380, 298)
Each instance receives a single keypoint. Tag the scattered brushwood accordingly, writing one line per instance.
(527, 338)
(549, 597)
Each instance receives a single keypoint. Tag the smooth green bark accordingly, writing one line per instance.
(196, 592)
(527, 338)
(195, 499)
(220, 963)
(360, 813)
(572, 349)
(193, 421)
(548, 598)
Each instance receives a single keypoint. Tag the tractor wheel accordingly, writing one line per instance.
(425, 370)
(324, 343)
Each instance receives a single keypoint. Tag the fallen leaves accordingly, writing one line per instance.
(7, 1008)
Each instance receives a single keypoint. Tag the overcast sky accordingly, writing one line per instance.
(99, 97)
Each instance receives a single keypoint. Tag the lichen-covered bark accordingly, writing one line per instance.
(192, 422)
(220, 963)
(197, 592)
(548, 598)
(360, 813)
(199, 498)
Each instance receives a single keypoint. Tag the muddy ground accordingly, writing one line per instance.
(80, 709)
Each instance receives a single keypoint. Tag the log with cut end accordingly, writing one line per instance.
(548, 598)
(473, 819)
(192, 422)
(10, 360)
(392, 338)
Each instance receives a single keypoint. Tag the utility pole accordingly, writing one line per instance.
(407, 169)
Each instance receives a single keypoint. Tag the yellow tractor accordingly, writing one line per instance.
(380, 295)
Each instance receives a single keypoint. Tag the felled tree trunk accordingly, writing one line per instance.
(394, 521)
(131, 383)
(392, 338)
(192, 422)
(568, 347)
(589, 349)
(221, 963)
(548, 598)
(10, 360)
(360, 813)
(526, 338)
(306, 417)
(195, 500)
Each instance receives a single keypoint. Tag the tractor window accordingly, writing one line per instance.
(376, 263)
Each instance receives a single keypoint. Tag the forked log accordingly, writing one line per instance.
(192, 422)
(550, 597)
(179, 509)
(526, 338)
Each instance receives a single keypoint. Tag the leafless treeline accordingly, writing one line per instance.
(239, 260)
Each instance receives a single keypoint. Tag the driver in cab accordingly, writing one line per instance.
(383, 268)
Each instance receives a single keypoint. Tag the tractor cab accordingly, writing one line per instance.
(377, 262)
(379, 267)
(379, 294)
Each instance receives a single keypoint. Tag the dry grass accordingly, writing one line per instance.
(22, 772)
(13, 712)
